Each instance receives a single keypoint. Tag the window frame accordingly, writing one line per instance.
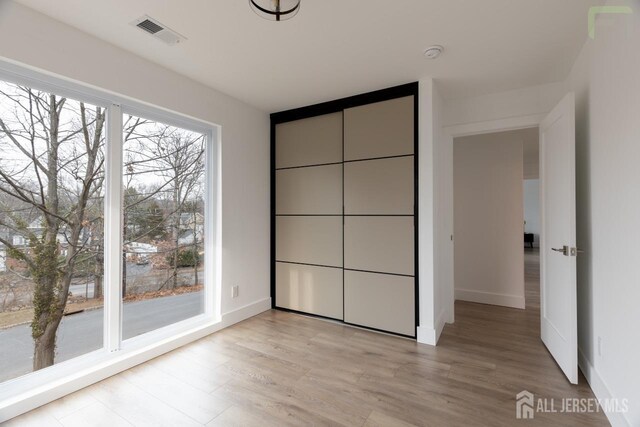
(31, 390)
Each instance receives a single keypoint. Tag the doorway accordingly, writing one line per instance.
(496, 213)
(558, 283)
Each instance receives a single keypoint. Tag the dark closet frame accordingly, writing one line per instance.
(339, 105)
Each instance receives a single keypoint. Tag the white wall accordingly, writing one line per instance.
(488, 219)
(531, 202)
(605, 79)
(443, 218)
(426, 326)
(38, 41)
(531, 153)
(435, 217)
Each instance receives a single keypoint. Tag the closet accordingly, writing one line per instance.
(344, 208)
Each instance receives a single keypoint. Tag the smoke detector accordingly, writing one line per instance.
(433, 52)
(158, 30)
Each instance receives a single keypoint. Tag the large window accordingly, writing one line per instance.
(163, 261)
(51, 229)
(103, 219)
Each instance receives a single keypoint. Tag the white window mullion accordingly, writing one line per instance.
(113, 231)
(213, 213)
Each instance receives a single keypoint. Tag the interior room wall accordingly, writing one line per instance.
(427, 302)
(39, 41)
(488, 219)
(443, 218)
(531, 203)
(605, 80)
(531, 153)
(435, 216)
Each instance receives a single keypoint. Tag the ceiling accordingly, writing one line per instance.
(337, 48)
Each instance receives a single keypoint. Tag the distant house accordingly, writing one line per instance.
(187, 238)
(191, 221)
(36, 228)
(191, 229)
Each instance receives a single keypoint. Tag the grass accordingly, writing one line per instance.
(19, 317)
(12, 318)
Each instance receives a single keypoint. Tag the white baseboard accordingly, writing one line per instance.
(102, 367)
(427, 335)
(600, 389)
(430, 336)
(440, 321)
(513, 301)
(245, 312)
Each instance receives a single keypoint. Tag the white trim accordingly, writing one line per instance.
(39, 78)
(600, 389)
(213, 232)
(113, 217)
(427, 335)
(430, 336)
(440, 322)
(104, 365)
(513, 301)
(491, 126)
(477, 128)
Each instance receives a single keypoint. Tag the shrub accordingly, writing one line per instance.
(186, 258)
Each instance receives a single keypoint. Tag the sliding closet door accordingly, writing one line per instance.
(379, 198)
(309, 229)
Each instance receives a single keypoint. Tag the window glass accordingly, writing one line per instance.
(163, 235)
(51, 229)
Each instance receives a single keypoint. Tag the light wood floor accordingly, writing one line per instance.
(280, 369)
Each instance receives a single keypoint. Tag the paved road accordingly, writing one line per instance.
(133, 271)
(81, 333)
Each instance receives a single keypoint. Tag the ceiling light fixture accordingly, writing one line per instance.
(433, 52)
(275, 10)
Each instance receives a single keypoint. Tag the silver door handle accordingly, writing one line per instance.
(564, 250)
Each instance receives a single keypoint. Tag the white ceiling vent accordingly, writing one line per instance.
(158, 30)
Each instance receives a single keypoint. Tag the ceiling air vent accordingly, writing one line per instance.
(158, 30)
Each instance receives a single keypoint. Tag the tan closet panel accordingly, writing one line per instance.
(312, 141)
(315, 290)
(383, 244)
(378, 187)
(381, 129)
(380, 301)
(344, 198)
(309, 239)
(312, 190)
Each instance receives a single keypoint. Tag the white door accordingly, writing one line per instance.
(558, 311)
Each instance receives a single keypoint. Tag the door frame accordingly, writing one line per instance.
(456, 131)
(335, 106)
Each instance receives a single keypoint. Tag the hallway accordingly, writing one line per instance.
(505, 345)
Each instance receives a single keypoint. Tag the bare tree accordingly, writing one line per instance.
(184, 161)
(55, 164)
(174, 160)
